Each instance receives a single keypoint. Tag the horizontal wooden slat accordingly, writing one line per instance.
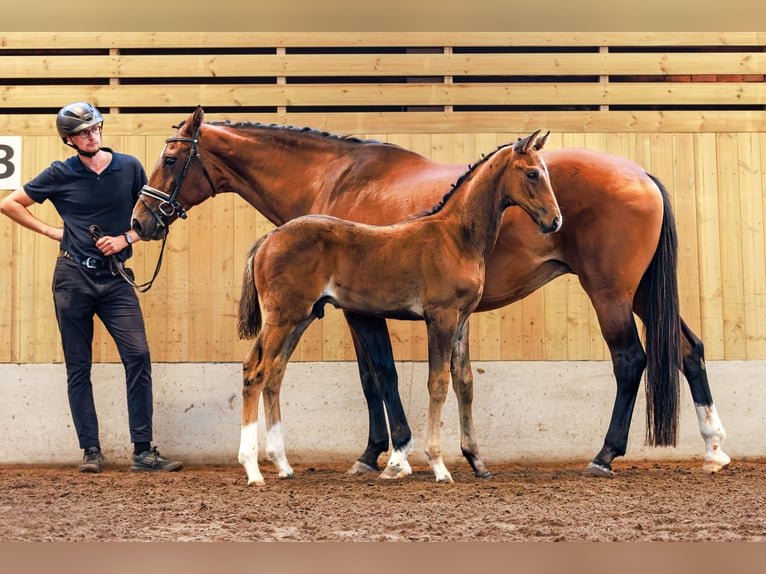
(426, 122)
(559, 94)
(79, 40)
(413, 64)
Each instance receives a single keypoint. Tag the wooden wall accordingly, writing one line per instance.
(688, 107)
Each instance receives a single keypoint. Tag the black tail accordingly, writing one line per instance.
(249, 309)
(663, 332)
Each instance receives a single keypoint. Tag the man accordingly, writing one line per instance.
(97, 186)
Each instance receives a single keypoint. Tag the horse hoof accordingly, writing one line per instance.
(287, 476)
(393, 472)
(598, 471)
(360, 467)
(713, 466)
(486, 474)
(445, 480)
(256, 482)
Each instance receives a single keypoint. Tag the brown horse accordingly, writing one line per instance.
(427, 268)
(619, 240)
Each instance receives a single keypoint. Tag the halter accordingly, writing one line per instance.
(169, 204)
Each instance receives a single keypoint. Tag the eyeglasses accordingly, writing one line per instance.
(95, 130)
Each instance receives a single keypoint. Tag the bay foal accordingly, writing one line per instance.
(430, 267)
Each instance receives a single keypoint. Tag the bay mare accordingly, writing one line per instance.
(619, 239)
(427, 268)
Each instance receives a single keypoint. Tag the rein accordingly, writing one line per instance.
(168, 206)
(116, 267)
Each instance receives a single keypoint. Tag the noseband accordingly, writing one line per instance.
(169, 204)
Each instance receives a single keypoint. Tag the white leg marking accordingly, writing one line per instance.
(275, 450)
(713, 434)
(440, 470)
(248, 453)
(398, 466)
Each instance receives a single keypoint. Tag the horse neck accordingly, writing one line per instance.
(478, 204)
(275, 169)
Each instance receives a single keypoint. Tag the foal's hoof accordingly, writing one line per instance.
(360, 467)
(598, 471)
(394, 472)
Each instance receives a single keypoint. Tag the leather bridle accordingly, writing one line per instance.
(169, 204)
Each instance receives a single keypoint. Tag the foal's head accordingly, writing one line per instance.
(526, 181)
(178, 181)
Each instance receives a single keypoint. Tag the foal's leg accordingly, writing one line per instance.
(441, 334)
(629, 362)
(711, 429)
(263, 371)
(462, 383)
(380, 385)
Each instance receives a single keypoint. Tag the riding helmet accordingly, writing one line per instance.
(76, 117)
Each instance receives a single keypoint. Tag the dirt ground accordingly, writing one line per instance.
(647, 501)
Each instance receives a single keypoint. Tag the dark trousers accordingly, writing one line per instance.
(78, 295)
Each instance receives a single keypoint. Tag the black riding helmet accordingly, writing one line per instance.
(77, 117)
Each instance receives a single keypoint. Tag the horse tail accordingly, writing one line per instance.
(662, 323)
(249, 323)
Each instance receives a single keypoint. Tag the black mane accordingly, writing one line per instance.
(304, 130)
(458, 183)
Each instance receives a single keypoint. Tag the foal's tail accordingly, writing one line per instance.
(663, 333)
(249, 309)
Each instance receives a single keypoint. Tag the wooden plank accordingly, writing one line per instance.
(709, 246)
(730, 210)
(753, 254)
(156, 96)
(107, 40)
(684, 189)
(364, 65)
(670, 121)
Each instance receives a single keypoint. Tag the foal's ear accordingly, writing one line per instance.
(540, 142)
(522, 146)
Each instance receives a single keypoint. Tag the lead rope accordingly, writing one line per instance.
(116, 268)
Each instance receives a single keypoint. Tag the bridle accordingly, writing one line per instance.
(169, 204)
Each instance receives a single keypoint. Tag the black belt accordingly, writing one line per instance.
(89, 262)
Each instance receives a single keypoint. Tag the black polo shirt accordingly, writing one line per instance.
(83, 198)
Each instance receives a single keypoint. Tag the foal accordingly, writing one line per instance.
(430, 267)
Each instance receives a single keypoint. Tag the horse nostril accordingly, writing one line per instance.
(136, 225)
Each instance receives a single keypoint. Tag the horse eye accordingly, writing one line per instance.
(532, 175)
(170, 160)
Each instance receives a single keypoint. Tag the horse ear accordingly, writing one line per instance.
(540, 142)
(522, 145)
(195, 120)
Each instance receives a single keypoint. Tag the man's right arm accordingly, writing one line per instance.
(16, 206)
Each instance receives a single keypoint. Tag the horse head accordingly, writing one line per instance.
(531, 188)
(176, 183)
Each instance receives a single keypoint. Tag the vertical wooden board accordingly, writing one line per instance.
(730, 210)
(618, 144)
(7, 287)
(640, 146)
(45, 329)
(709, 246)
(533, 334)
(200, 258)
(224, 278)
(753, 256)
(684, 186)
(556, 329)
(578, 312)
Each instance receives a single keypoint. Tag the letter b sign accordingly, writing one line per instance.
(10, 162)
